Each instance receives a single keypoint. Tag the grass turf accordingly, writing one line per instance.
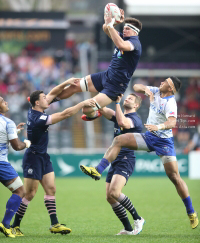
(81, 204)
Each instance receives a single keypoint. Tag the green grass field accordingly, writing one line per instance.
(81, 204)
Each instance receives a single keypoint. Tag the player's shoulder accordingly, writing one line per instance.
(171, 99)
(6, 120)
(135, 117)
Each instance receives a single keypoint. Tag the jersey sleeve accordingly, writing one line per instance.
(137, 123)
(113, 119)
(42, 120)
(171, 108)
(11, 130)
(135, 43)
(153, 89)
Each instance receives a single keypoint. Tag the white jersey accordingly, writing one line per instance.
(8, 131)
(160, 110)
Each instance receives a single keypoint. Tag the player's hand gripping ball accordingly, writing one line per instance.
(115, 11)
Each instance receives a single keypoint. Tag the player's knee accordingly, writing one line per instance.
(20, 191)
(74, 89)
(117, 141)
(114, 193)
(108, 197)
(29, 195)
(174, 177)
(86, 110)
(51, 190)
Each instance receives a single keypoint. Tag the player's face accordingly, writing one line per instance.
(127, 31)
(43, 102)
(3, 105)
(164, 86)
(129, 102)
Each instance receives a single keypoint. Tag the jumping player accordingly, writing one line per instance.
(8, 176)
(158, 138)
(37, 167)
(123, 166)
(114, 81)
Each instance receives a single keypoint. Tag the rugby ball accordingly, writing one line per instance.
(115, 11)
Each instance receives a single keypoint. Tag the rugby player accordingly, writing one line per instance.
(37, 167)
(8, 176)
(123, 166)
(114, 81)
(159, 138)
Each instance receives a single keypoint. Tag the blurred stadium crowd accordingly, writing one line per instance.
(30, 71)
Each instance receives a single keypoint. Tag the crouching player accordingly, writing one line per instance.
(8, 176)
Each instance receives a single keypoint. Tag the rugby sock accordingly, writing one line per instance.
(11, 208)
(126, 202)
(122, 215)
(102, 165)
(188, 204)
(50, 204)
(20, 212)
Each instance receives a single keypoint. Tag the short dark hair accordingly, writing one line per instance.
(138, 100)
(134, 22)
(35, 96)
(177, 83)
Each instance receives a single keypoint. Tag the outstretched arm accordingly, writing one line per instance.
(113, 34)
(57, 117)
(140, 88)
(107, 112)
(105, 28)
(59, 88)
(18, 145)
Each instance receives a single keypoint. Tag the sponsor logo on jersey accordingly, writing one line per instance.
(172, 113)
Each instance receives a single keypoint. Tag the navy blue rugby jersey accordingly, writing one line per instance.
(136, 129)
(37, 131)
(124, 63)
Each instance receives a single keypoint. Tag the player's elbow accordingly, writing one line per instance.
(136, 87)
(16, 147)
(122, 124)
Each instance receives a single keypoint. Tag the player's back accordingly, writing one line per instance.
(124, 63)
(37, 131)
(7, 132)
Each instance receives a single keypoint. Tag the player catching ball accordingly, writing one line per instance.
(114, 81)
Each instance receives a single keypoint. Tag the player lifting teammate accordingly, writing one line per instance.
(123, 166)
(114, 81)
(158, 138)
(37, 167)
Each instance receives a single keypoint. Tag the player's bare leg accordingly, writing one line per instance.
(120, 203)
(171, 169)
(125, 140)
(102, 100)
(80, 87)
(31, 187)
(48, 184)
